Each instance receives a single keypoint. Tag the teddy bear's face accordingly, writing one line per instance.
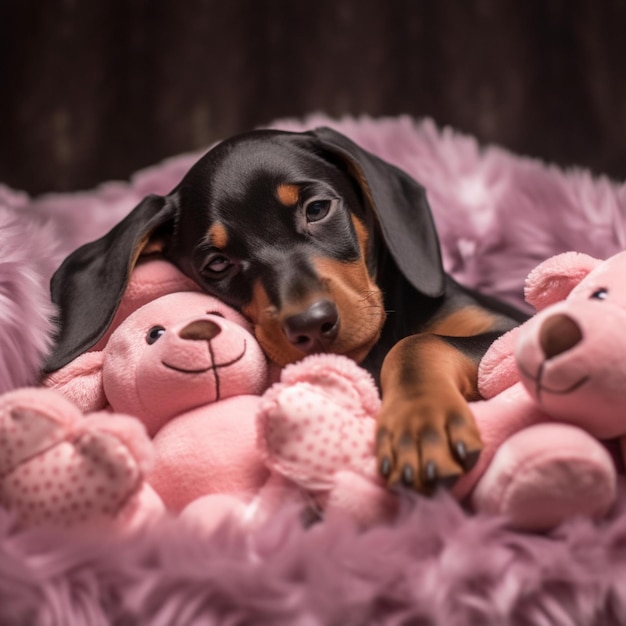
(572, 355)
(179, 352)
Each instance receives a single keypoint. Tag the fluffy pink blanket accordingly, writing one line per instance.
(498, 215)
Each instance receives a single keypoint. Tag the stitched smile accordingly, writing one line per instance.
(540, 388)
(214, 366)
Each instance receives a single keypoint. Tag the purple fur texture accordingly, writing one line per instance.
(434, 566)
(25, 308)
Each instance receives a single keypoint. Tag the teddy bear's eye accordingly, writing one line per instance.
(154, 333)
(600, 294)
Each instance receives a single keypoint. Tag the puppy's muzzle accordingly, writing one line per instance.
(315, 328)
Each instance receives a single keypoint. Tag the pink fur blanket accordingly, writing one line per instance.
(498, 215)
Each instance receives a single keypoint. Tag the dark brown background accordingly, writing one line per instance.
(93, 90)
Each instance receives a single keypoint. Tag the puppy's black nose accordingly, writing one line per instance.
(559, 333)
(313, 329)
(200, 330)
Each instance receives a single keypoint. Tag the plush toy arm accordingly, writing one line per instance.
(339, 378)
(32, 420)
(128, 432)
(81, 382)
(319, 420)
(316, 432)
(545, 474)
(497, 370)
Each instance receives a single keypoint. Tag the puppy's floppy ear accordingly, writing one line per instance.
(401, 208)
(89, 285)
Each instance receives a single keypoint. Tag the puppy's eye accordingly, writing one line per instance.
(600, 294)
(217, 264)
(154, 334)
(216, 313)
(317, 210)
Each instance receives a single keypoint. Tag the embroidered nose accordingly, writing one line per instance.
(313, 329)
(200, 330)
(559, 333)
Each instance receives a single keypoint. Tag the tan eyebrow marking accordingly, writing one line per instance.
(288, 194)
(218, 236)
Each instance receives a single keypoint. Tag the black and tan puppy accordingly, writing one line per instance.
(326, 248)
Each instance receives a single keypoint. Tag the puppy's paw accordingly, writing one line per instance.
(426, 440)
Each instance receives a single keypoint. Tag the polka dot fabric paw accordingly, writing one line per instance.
(319, 420)
(56, 468)
(32, 421)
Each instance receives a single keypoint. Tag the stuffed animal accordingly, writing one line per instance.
(187, 368)
(544, 457)
(185, 365)
(222, 449)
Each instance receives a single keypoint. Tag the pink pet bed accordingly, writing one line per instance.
(498, 216)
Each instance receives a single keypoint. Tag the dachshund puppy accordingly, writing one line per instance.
(325, 248)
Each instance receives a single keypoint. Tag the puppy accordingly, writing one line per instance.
(325, 248)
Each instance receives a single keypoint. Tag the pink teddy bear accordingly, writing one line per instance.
(187, 366)
(557, 389)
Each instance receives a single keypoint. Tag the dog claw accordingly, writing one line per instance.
(430, 473)
(385, 467)
(465, 458)
(408, 476)
(461, 452)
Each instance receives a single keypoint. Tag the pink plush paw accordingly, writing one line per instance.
(62, 468)
(31, 422)
(210, 512)
(546, 474)
(367, 502)
(319, 420)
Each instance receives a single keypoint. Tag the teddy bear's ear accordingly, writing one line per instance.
(554, 279)
(151, 278)
(81, 382)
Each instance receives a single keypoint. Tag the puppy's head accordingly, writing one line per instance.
(286, 227)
